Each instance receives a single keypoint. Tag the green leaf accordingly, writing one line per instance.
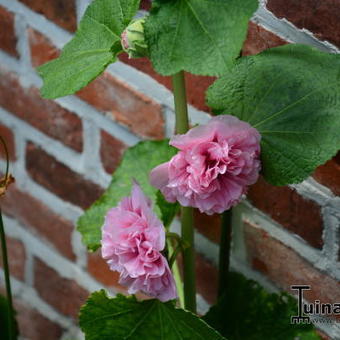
(123, 317)
(94, 46)
(247, 311)
(137, 163)
(169, 210)
(199, 36)
(4, 319)
(291, 94)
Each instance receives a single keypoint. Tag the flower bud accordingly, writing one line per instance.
(133, 42)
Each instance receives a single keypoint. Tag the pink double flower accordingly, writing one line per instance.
(132, 240)
(215, 164)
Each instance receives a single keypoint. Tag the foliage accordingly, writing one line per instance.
(291, 94)
(137, 163)
(94, 46)
(126, 318)
(247, 311)
(201, 37)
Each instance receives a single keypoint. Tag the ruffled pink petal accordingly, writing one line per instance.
(132, 240)
(215, 164)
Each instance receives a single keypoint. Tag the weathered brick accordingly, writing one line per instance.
(60, 179)
(45, 115)
(62, 12)
(16, 257)
(329, 174)
(8, 39)
(196, 85)
(8, 137)
(111, 151)
(209, 226)
(99, 269)
(41, 48)
(36, 216)
(259, 39)
(286, 206)
(283, 266)
(128, 106)
(145, 4)
(320, 17)
(63, 294)
(207, 279)
(35, 326)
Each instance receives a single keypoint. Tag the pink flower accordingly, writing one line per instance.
(215, 164)
(124, 40)
(132, 240)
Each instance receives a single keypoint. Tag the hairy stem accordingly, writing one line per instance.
(224, 257)
(182, 126)
(177, 275)
(10, 318)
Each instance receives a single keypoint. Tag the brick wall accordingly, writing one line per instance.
(63, 151)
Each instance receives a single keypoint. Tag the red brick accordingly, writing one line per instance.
(45, 115)
(145, 4)
(287, 207)
(259, 39)
(111, 151)
(8, 39)
(196, 85)
(128, 106)
(329, 174)
(16, 257)
(209, 226)
(42, 49)
(99, 269)
(62, 12)
(283, 266)
(63, 294)
(35, 326)
(207, 279)
(60, 179)
(33, 214)
(320, 17)
(8, 137)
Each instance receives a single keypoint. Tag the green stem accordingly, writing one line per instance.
(224, 257)
(182, 126)
(189, 274)
(10, 318)
(177, 275)
(181, 108)
(10, 315)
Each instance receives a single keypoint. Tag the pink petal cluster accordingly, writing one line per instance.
(124, 40)
(132, 240)
(215, 164)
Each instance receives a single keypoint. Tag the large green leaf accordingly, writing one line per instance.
(199, 36)
(137, 163)
(123, 318)
(247, 311)
(94, 46)
(291, 94)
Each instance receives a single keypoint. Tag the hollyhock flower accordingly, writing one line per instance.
(215, 164)
(132, 240)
